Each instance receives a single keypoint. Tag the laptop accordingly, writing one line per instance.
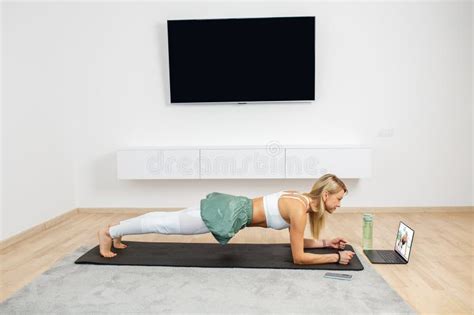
(400, 254)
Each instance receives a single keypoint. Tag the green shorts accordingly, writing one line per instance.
(225, 215)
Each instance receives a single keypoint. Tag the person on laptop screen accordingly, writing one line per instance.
(404, 240)
(402, 243)
(224, 215)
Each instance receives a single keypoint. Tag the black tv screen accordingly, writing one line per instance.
(242, 60)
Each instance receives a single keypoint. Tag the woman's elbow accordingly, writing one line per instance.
(298, 260)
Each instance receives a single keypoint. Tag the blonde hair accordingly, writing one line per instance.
(330, 183)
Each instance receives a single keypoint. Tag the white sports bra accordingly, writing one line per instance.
(272, 212)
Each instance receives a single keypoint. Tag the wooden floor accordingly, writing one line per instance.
(438, 278)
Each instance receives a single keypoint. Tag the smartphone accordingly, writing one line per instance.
(339, 276)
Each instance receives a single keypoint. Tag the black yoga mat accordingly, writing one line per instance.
(276, 256)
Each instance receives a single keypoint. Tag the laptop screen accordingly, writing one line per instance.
(404, 240)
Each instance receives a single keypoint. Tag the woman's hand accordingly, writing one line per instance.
(338, 243)
(346, 256)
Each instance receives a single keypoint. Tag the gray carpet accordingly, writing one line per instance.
(69, 288)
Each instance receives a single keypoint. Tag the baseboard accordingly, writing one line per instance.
(55, 221)
(124, 210)
(339, 210)
(36, 229)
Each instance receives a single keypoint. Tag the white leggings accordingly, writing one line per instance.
(184, 222)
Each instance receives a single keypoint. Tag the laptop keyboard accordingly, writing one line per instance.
(389, 256)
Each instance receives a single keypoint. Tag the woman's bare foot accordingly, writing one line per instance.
(105, 243)
(118, 243)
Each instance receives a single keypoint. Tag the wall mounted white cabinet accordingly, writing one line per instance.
(242, 163)
(158, 164)
(231, 162)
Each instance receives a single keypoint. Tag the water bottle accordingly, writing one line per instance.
(367, 230)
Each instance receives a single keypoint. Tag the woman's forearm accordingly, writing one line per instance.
(312, 243)
(316, 259)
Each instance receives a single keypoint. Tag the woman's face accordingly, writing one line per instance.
(332, 201)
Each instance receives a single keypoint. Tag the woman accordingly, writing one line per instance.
(224, 215)
(402, 244)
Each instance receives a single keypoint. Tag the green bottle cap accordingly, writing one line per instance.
(368, 217)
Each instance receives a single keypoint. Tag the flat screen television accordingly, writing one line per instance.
(241, 60)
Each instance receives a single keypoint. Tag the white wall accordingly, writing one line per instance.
(396, 76)
(38, 114)
(472, 105)
(2, 222)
